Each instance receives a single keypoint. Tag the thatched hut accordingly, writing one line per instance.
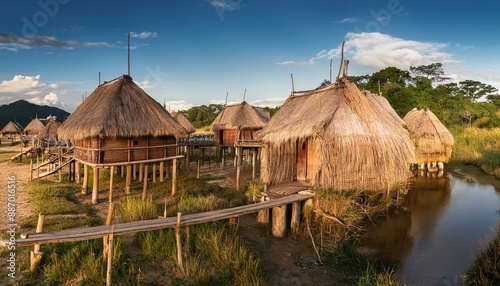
(384, 105)
(238, 123)
(34, 127)
(184, 122)
(433, 141)
(335, 137)
(119, 124)
(12, 129)
(48, 134)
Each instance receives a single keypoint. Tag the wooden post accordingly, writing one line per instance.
(162, 171)
(174, 176)
(38, 166)
(145, 185)
(187, 160)
(134, 171)
(198, 169)
(95, 187)
(279, 221)
(77, 172)
(105, 239)
(295, 217)
(59, 153)
(128, 179)
(178, 240)
(111, 174)
(254, 163)
(110, 259)
(237, 160)
(31, 169)
(223, 163)
(154, 172)
(141, 170)
(263, 215)
(36, 255)
(85, 179)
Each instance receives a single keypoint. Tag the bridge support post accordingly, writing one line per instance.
(279, 221)
(295, 223)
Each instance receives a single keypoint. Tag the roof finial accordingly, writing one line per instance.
(346, 65)
(128, 54)
(341, 59)
(244, 95)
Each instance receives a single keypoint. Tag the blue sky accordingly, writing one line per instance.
(193, 52)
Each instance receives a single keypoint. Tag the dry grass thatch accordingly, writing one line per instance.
(384, 105)
(184, 122)
(49, 131)
(34, 127)
(433, 141)
(240, 116)
(119, 108)
(12, 128)
(352, 144)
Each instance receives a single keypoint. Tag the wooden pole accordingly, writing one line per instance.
(110, 260)
(254, 163)
(95, 186)
(35, 255)
(128, 179)
(174, 177)
(59, 151)
(145, 185)
(187, 160)
(31, 169)
(279, 221)
(178, 241)
(162, 171)
(77, 172)
(237, 159)
(295, 223)
(141, 171)
(105, 239)
(263, 215)
(134, 171)
(154, 172)
(198, 169)
(111, 174)
(85, 184)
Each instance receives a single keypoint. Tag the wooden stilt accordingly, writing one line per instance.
(77, 172)
(141, 171)
(31, 169)
(279, 221)
(162, 171)
(154, 173)
(254, 163)
(111, 174)
(187, 160)
(105, 239)
(198, 169)
(295, 223)
(237, 160)
(128, 179)
(110, 260)
(85, 179)
(178, 241)
(134, 171)
(174, 177)
(145, 185)
(95, 186)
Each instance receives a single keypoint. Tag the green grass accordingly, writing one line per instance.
(134, 209)
(49, 197)
(486, 267)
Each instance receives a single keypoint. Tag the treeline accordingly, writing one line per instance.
(467, 102)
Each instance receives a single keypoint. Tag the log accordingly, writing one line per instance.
(128, 179)
(178, 241)
(95, 188)
(35, 255)
(295, 223)
(85, 183)
(279, 221)
(174, 177)
(145, 185)
(162, 171)
(111, 174)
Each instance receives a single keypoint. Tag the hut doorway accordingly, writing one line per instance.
(302, 159)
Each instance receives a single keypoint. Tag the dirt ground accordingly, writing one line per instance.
(286, 261)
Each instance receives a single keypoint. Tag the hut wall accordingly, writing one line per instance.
(225, 137)
(116, 150)
(278, 163)
(247, 134)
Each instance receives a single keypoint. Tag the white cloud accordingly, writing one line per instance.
(143, 35)
(50, 99)
(146, 84)
(14, 42)
(28, 88)
(226, 5)
(378, 51)
(347, 21)
(269, 102)
(177, 105)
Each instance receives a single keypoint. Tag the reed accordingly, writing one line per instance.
(486, 267)
(134, 209)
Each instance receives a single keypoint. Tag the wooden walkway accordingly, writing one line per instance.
(80, 234)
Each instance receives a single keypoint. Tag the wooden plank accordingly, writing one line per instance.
(80, 234)
(41, 175)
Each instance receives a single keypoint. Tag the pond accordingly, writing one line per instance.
(441, 225)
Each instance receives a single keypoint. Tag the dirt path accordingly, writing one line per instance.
(21, 175)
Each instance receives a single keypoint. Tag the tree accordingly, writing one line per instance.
(434, 72)
(475, 89)
(390, 74)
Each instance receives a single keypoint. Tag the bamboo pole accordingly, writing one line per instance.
(134, 171)
(105, 239)
(95, 186)
(59, 153)
(85, 184)
(174, 177)
(77, 172)
(128, 179)
(110, 260)
(35, 255)
(141, 171)
(145, 185)
(198, 169)
(154, 172)
(162, 171)
(237, 159)
(295, 223)
(254, 163)
(178, 241)
(111, 175)
(31, 169)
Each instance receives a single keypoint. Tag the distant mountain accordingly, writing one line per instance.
(23, 112)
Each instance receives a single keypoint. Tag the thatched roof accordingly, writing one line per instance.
(355, 146)
(432, 139)
(240, 116)
(12, 127)
(119, 108)
(384, 105)
(34, 126)
(49, 131)
(184, 122)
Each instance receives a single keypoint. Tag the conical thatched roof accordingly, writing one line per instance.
(34, 126)
(119, 108)
(184, 122)
(384, 105)
(49, 131)
(432, 139)
(12, 127)
(354, 146)
(240, 116)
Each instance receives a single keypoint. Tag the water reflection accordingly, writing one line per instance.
(433, 237)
